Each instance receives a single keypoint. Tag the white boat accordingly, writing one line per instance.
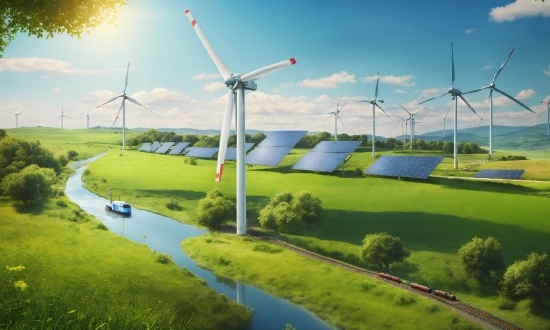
(119, 207)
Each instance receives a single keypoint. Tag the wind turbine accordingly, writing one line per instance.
(456, 94)
(403, 128)
(87, 119)
(547, 116)
(412, 121)
(492, 87)
(237, 84)
(17, 118)
(62, 115)
(374, 105)
(444, 118)
(337, 117)
(123, 109)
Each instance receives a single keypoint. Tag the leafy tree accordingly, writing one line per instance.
(30, 184)
(448, 147)
(2, 133)
(73, 155)
(481, 257)
(287, 212)
(528, 278)
(259, 137)
(46, 17)
(383, 250)
(214, 210)
(15, 154)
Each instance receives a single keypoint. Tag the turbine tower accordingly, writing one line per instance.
(17, 118)
(374, 105)
(337, 117)
(87, 119)
(123, 109)
(492, 87)
(237, 84)
(62, 115)
(456, 94)
(547, 117)
(403, 128)
(412, 122)
(444, 118)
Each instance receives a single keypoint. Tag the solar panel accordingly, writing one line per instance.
(418, 167)
(231, 153)
(164, 147)
(320, 161)
(178, 148)
(337, 146)
(268, 156)
(201, 152)
(500, 174)
(155, 146)
(145, 147)
(282, 139)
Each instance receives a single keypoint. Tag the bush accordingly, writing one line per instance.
(63, 161)
(481, 258)
(383, 250)
(286, 212)
(30, 184)
(73, 155)
(164, 258)
(214, 210)
(510, 157)
(173, 205)
(528, 278)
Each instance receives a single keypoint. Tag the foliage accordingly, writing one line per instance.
(62, 160)
(528, 278)
(383, 250)
(30, 184)
(164, 258)
(73, 155)
(510, 157)
(173, 205)
(15, 154)
(309, 141)
(214, 210)
(46, 17)
(153, 135)
(480, 258)
(287, 212)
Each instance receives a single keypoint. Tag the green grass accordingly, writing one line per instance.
(345, 299)
(79, 275)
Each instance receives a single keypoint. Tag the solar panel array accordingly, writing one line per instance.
(326, 156)
(336, 146)
(178, 148)
(155, 146)
(282, 139)
(418, 167)
(231, 153)
(500, 174)
(164, 147)
(201, 152)
(145, 147)
(267, 156)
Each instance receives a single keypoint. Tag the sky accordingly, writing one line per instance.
(339, 47)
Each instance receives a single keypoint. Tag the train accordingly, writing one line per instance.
(119, 207)
(420, 287)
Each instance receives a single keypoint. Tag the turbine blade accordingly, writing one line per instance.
(469, 106)
(435, 97)
(447, 114)
(477, 90)
(513, 99)
(111, 100)
(364, 101)
(127, 70)
(419, 111)
(453, 65)
(383, 111)
(323, 113)
(502, 66)
(376, 90)
(341, 121)
(118, 113)
(407, 110)
(257, 74)
(224, 136)
(329, 116)
(217, 60)
(144, 107)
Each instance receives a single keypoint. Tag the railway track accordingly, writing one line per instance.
(479, 316)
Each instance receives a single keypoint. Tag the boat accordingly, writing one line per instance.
(119, 207)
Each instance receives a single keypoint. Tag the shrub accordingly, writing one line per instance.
(193, 161)
(73, 155)
(481, 258)
(286, 212)
(164, 258)
(528, 278)
(30, 184)
(214, 210)
(102, 226)
(63, 161)
(383, 250)
(173, 205)
(61, 203)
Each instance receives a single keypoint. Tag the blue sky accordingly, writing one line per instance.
(339, 47)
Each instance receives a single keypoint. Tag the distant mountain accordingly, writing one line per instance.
(186, 131)
(481, 131)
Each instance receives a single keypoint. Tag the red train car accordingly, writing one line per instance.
(390, 277)
(420, 287)
(445, 295)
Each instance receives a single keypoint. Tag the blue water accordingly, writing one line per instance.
(164, 235)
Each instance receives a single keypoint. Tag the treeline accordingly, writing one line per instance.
(311, 140)
(445, 146)
(204, 141)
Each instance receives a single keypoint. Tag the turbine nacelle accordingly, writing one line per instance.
(454, 91)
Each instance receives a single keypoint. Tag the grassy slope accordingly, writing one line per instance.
(347, 300)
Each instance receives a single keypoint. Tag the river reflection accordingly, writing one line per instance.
(164, 235)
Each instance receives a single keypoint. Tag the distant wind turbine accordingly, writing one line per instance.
(412, 122)
(337, 117)
(403, 128)
(17, 118)
(492, 87)
(444, 118)
(123, 109)
(547, 117)
(456, 94)
(87, 119)
(62, 115)
(374, 105)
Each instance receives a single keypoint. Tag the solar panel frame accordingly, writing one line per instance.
(145, 147)
(267, 156)
(500, 174)
(155, 146)
(320, 161)
(336, 146)
(178, 148)
(231, 153)
(416, 167)
(282, 139)
(164, 147)
(201, 152)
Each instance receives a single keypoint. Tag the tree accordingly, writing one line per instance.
(528, 278)
(46, 17)
(73, 155)
(287, 212)
(214, 210)
(383, 250)
(15, 154)
(481, 258)
(30, 184)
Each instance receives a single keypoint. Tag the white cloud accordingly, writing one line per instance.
(57, 90)
(161, 97)
(519, 9)
(392, 80)
(326, 82)
(429, 92)
(399, 91)
(547, 72)
(525, 94)
(31, 64)
(205, 76)
(468, 31)
(488, 66)
(503, 101)
(213, 86)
